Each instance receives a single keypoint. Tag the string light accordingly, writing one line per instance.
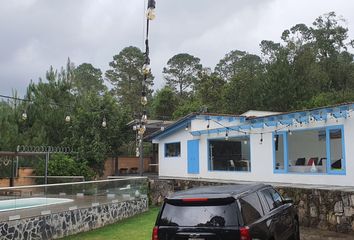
(67, 118)
(104, 122)
(24, 116)
(186, 128)
(227, 135)
(143, 98)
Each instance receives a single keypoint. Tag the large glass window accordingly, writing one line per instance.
(173, 149)
(230, 155)
(307, 151)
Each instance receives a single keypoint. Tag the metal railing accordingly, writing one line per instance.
(29, 201)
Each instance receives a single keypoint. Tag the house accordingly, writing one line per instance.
(305, 147)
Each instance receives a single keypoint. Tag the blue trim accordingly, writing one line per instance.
(180, 150)
(328, 145)
(285, 154)
(246, 124)
(174, 129)
(193, 156)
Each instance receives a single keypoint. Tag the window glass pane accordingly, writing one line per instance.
(251, 208)
(202, 216)
(230, 155)
(279, 152)
(307, 151)
(336, 149)
(173, 150)
(272, 197)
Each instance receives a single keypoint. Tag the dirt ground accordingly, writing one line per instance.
(315, 234)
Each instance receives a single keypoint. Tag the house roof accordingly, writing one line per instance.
(266, 119)
(185, 122)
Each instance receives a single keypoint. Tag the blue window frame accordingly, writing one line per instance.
(280, 152)
(173, 149)
(318, 151)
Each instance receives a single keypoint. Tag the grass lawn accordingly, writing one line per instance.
(136, 228)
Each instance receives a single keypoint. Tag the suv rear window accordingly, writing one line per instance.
(199, 215)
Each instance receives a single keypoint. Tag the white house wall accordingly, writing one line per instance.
(262, 166)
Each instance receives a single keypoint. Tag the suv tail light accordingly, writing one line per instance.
(155, 233)
(245, 233)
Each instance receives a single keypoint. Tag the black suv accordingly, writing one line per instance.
(227, 212)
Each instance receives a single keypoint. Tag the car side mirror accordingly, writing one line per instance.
(287, 200)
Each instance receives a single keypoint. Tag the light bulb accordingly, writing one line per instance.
(104, 123)
(137, 153)
(150, 14)
(144, 100)
(24, 116)
(142, 131)
(134, 127)
(67, 119)
(186, 128)
(226, 136)
(290, 132)
(146, 69)
(162, 128)
(144, 117)
(245, 142)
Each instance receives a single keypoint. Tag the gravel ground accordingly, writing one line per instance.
(315, 234)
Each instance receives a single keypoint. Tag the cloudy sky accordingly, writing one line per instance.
(38, 33)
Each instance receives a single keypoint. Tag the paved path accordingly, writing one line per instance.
(315, 234)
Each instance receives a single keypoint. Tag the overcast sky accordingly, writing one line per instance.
(38, 33)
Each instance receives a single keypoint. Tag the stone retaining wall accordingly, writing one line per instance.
(67, 223)
(324, 209)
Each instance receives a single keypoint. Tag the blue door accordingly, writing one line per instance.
(193, 156)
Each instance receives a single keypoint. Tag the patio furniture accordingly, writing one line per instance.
(300, 162)
(313, 160)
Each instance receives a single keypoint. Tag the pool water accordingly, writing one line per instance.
(16, 204)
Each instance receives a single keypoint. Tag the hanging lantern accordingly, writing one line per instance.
(150, 14)
(146, 69)
(24, 116)
(104, 123)
(67, 118)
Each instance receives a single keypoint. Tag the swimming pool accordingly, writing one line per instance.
(16, 204)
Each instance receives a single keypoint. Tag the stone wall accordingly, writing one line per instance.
(67, 223)
(324, 209)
